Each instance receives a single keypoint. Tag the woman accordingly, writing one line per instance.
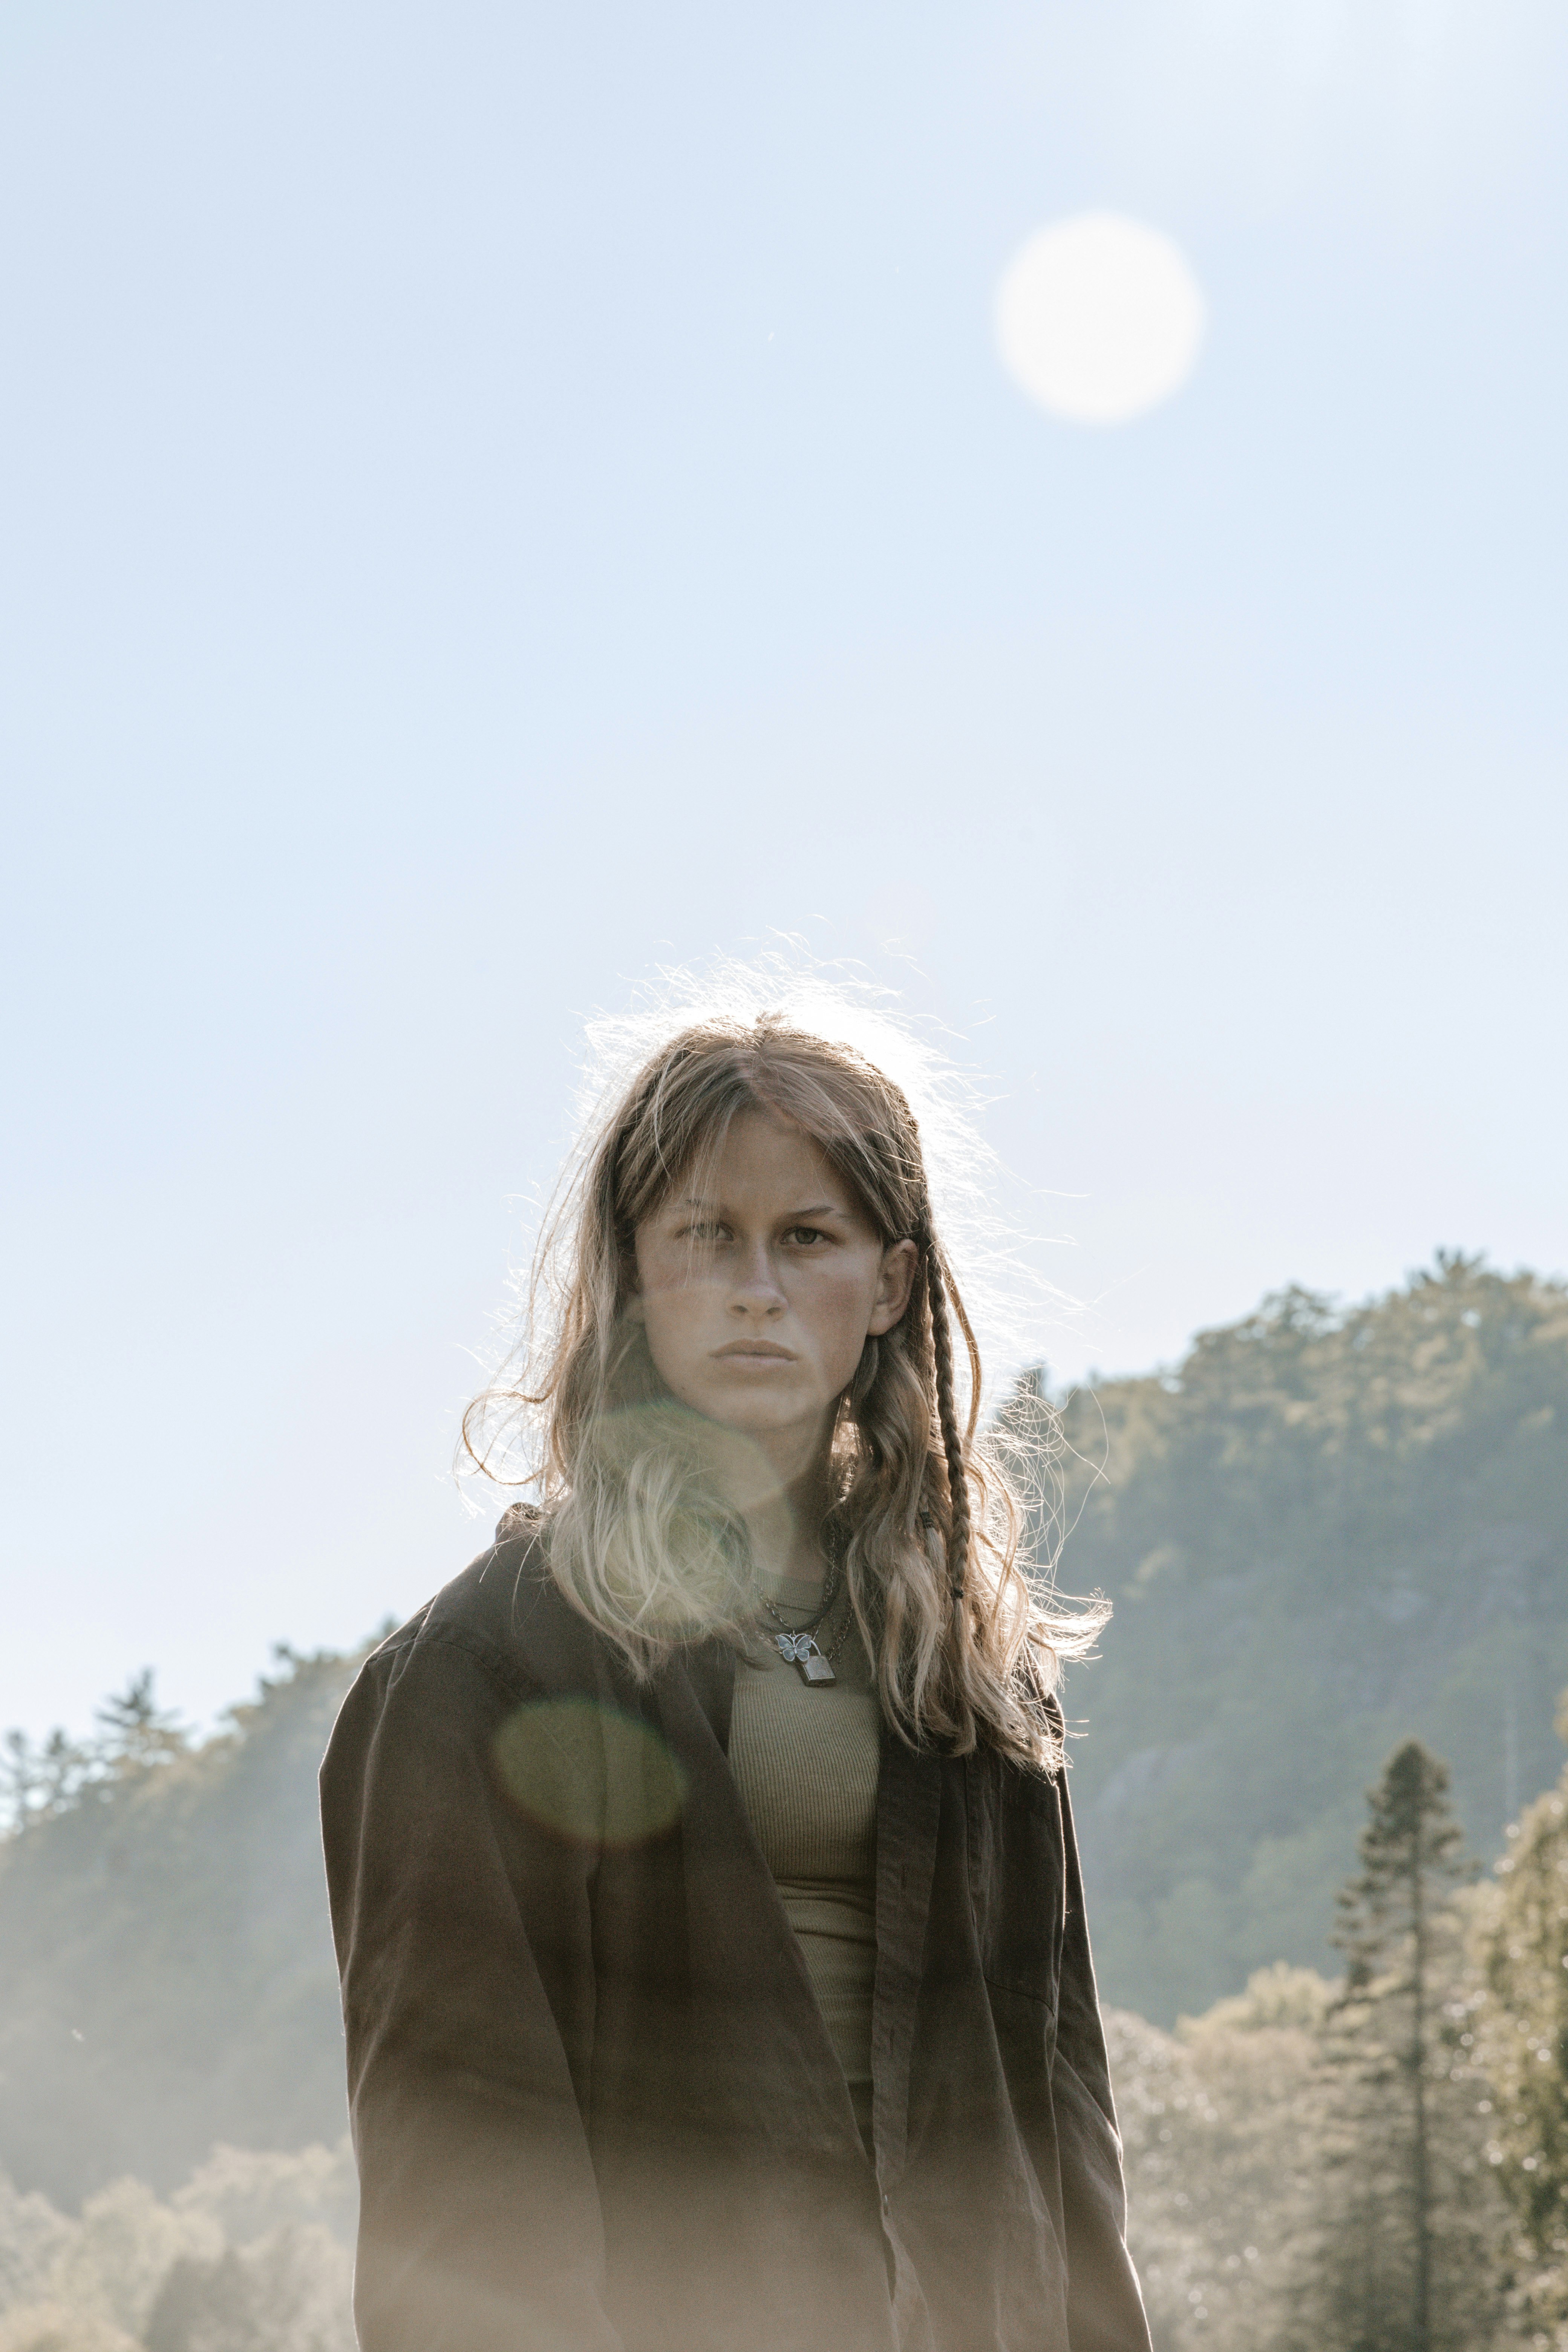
(707, 1910)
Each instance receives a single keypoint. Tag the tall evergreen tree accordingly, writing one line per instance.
(136, 1729)
(1402, 2255)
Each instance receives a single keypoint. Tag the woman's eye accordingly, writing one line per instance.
(805, 1233)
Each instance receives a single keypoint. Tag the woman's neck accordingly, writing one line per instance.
(780, 1485)
(786, 1547)
(784, 1526)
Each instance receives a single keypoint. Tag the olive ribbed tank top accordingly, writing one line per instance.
(805, 1758)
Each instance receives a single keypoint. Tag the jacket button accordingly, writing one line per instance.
(887, 2204)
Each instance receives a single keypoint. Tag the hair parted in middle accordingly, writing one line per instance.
(638, 1537)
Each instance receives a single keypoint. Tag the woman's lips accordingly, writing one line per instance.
(754, 1351)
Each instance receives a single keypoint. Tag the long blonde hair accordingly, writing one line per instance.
(637, 1534)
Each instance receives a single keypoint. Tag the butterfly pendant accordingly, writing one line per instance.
(801, 1650)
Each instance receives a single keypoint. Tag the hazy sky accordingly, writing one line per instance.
(499, 497)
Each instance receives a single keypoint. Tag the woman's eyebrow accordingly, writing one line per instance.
(818, 1208)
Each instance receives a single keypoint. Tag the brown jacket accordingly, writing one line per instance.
(595, 2103)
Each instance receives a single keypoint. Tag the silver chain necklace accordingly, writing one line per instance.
(798, 1645)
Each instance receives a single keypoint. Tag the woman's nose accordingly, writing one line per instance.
(756, 1286)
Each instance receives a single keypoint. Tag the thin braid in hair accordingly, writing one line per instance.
(947, 1413)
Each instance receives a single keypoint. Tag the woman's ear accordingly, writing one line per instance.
(894, 1283)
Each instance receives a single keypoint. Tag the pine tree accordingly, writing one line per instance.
(1402, 2259)
(136, 1729)
(37, 1781)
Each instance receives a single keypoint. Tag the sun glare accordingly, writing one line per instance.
(1100, 319)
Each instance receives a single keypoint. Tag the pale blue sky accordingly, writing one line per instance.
(495, 499)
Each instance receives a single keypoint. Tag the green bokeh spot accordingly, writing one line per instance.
(589, 1773)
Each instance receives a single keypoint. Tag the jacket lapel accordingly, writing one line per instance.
(909, 1806)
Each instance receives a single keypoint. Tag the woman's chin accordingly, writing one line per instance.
(757, 1414)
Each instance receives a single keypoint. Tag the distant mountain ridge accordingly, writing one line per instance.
(1323, 1532)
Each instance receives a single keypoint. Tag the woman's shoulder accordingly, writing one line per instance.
(504, 1617)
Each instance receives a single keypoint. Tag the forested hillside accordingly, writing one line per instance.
(1323, 1532)
(166, 1970)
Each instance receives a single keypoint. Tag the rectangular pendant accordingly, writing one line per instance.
(815, 1668)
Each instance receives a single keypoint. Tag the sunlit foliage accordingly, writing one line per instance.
(1523, 2044)
(1219, 2130)
(251, 2256)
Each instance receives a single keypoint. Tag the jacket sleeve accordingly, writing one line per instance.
(1105, 2307)
(464, 1947)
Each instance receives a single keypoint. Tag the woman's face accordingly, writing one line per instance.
(760, 1281)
